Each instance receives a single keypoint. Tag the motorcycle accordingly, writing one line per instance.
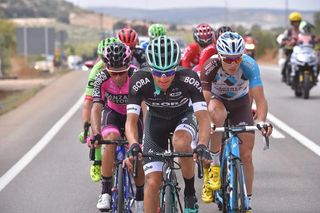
(304, 67)
(250, 46)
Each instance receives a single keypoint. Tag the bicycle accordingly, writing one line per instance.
(123, 195)
(232, 196)
(169, 191)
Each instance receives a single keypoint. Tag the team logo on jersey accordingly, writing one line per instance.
(116, 98)
(170, 104)
(91, 84)
(176, 94)
(193, 82)
(140, 83)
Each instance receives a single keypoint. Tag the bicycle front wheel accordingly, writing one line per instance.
(238, 191)
(120, 194)
(168, 204)
(225, 190)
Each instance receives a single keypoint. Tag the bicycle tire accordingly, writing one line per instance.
(238, 187)
(169, 202)
(225, 185)
(120, 194)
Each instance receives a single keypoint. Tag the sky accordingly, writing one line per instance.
(299, 5)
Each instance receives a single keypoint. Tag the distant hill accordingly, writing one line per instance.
(58, 9)
(266, 18)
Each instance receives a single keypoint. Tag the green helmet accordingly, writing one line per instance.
(163, 53)
(156, 30)
(104, 43)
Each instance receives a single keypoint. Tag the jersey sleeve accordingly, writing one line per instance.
(136, 88)
(193, 83)
(208, 72)
(187, 56)
(251, 71)
(92, 75)
(98, 93)
(206, 54)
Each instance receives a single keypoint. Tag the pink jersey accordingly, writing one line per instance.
(109, 94)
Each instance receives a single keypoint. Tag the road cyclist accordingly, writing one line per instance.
(166, 89)
(110, 95)
(130, 37)
(203, 35)
(154, 30)
(95, 168)
(211, 50)
(226, 79)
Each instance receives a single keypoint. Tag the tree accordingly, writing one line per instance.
(317, 22)
(317, 29)
(7, 42)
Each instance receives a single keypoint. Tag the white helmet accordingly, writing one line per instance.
(230, 43)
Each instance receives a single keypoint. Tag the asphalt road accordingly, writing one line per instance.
(57, 178)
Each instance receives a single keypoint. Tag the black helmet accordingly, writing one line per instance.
(117, 55)
(222, 29)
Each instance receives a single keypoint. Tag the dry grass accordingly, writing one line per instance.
(12, 99)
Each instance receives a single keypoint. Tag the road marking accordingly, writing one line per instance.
(296, 135)
(37, 148)
(277, 134)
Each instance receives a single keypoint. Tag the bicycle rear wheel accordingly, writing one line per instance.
(120, 194)
(238, 191)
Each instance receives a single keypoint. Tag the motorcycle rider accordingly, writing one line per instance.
(290, 39)
(305, 45)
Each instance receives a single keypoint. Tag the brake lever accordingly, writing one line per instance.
(200, 165)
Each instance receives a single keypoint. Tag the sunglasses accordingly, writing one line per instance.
(160, 74)
(117, 72)
(230, 60)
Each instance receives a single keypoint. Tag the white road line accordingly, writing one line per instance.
(277, 134)
(36, 149)
(296, 135)
(290, 131)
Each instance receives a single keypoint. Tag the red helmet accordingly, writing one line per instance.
(203, 34)
(128, 36)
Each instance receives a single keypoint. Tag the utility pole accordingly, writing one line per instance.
(25, 42)
(286, 13)
(101, 27)
(1, 74)
(226, 13)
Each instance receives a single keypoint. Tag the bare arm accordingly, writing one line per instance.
(132, 128)
(144, 109)
(261, 102)
(207, 96)
(204, 126)
(96, 118)
(86, 111)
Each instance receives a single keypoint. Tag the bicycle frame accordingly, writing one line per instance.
(170, 181)
(169, 189)
(128, 193)
(232, 172)
(122, 184)
(230, 153)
